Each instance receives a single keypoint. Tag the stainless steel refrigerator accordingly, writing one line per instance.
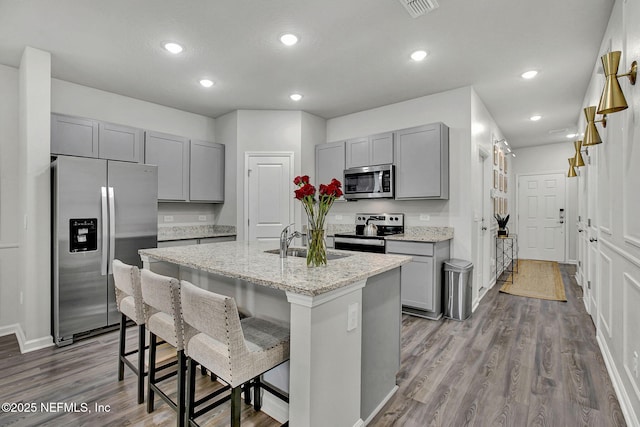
(102, 210)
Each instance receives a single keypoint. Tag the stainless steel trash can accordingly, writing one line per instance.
(457, 289)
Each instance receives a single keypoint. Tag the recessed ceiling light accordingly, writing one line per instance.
(295, 97)
(535, 118)
(206, 82)
(174, 48)
(572, 135)
(418, 55)
(289, 39)
(529, 74)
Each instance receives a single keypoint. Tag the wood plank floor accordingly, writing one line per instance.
(516, 362)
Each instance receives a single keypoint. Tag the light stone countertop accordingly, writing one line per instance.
(200, 231)
(424, 234)
(248, 261)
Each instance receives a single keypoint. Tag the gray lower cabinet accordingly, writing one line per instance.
(75, 136)
(421, 279)
(171, 154)
(330, 162)
(369, 150)
(206, 172)
(187, 242)
(422, 162)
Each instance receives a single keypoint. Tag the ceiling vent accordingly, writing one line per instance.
(417, 8)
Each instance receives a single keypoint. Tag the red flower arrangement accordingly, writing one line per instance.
(327, 194)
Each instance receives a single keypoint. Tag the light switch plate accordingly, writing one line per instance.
(168, 218)
(202, 217)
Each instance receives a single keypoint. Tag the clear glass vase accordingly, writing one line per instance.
(316, 248)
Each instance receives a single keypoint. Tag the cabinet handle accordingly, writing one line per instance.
(592, 239)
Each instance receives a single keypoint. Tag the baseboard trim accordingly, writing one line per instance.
(571, 261)
(26, 346)
(379, 407)
(625, 403)
(359, 423)
(9, 329)
(274, 407)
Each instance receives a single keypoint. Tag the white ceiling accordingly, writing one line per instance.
(353, 54)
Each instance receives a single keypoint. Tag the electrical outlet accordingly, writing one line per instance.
(338, 217)
(168, 218)
(424, 217)
(635, 363)
(352, 316)
(202, 217)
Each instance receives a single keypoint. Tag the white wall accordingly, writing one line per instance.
(613, 206)
(547, 159)
(245, 131)
(34, 127)
(227, 134)
(77, 100)
(453, 108)
(484, 132)
(9, 200)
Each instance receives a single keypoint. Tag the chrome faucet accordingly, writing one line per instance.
(285, 240)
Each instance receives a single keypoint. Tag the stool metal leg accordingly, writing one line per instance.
(235, 406)
(141, 344)
(191, 391)
(257, 397)
(152, 372)
(181, 386)
(123, 338)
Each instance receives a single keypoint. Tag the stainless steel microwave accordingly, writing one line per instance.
(369, 182)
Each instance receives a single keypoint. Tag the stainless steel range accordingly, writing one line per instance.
(385, 225)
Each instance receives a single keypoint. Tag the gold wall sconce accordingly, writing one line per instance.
(612, 99)
(591, 135)
(578, 160)
(572, 170)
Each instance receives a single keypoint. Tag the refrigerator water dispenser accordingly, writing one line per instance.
(84, 234)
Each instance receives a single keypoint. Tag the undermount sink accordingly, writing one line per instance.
(302, 253)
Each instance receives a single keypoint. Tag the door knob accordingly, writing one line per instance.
(484, 228)
(591, 239)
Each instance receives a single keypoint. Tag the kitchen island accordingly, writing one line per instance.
(344, 321)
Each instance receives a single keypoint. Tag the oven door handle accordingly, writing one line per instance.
(356, 241)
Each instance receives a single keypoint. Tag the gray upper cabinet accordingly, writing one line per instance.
(330, 162)
(74, 136)
(206, 174)
(118, 142)
(422, 162)
(171, 154)
(357, 152)
(371, 150)
(381, 149)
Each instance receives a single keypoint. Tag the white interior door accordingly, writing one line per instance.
(541, 208)
(269, 195)
(591, 238)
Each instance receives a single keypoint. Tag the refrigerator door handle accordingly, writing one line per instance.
(112, 228)
(105, 232)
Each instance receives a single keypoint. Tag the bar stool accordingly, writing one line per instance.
(237, 351)
(161, 297)
(129, 301)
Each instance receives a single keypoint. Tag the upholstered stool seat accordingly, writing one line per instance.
(126, 279)
(162, 310)
(237, 351)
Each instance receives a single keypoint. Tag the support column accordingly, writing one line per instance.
(35, 208)
(326, 355)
